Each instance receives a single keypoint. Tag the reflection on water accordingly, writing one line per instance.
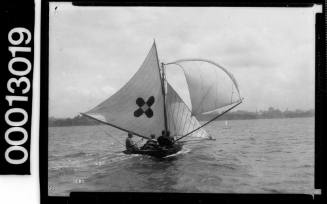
(252, 156)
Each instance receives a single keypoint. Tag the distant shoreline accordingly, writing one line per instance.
(199, 120)
(271, 113)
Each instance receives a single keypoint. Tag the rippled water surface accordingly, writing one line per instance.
(249, 156)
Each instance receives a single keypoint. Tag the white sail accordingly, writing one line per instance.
(210, 86)
(138, 105)
(180, 119)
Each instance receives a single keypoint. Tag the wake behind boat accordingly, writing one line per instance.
(148, 105)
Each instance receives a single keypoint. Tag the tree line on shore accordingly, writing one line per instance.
(266, 114)
(233, 115)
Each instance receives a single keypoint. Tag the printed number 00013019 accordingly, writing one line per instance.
(17, 82)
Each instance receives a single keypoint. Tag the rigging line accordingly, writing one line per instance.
(218, 85)
(168, 116)
(176, 111)
(182, 118)
(170, 111)
(115, 126)
(177, 115)
(180, 66)
(211, 62)
(108, 134)
(200, 105)
(203, 98)
(172, 120)
(185, 120)
(195, 140)
(210, 120)
(188, 84)
(170, 127)
(228, 73)
(185, 107)
(194, 123)
(231, 98)
(189, 120)
(182, 101)
(173, 113)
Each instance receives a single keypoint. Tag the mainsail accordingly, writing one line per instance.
(180, 119)
(138, 106)
(210, 85)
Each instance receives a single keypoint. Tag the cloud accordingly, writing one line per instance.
(95, 50)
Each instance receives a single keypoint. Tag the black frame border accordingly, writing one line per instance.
(122, 197)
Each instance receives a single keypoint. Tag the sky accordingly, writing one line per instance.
(94, 51)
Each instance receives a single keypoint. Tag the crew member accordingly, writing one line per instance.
(164, 140)
(130, 145)
(151, 143)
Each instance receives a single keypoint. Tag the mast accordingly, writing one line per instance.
(163, 78)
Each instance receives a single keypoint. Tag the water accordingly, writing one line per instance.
(249, 156)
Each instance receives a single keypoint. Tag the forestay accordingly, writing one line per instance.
(180, 119)
(138, 105)
(210, 85)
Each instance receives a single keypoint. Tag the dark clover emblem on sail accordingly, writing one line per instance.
(144, 107)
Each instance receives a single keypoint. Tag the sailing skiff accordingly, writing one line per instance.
(147, 104)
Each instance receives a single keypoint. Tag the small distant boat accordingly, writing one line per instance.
(147, 104)
(227, 126)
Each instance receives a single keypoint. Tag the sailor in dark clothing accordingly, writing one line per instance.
(171, 139)
(130, 145)
(165, 140)
(161, 139)
(151, 143)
